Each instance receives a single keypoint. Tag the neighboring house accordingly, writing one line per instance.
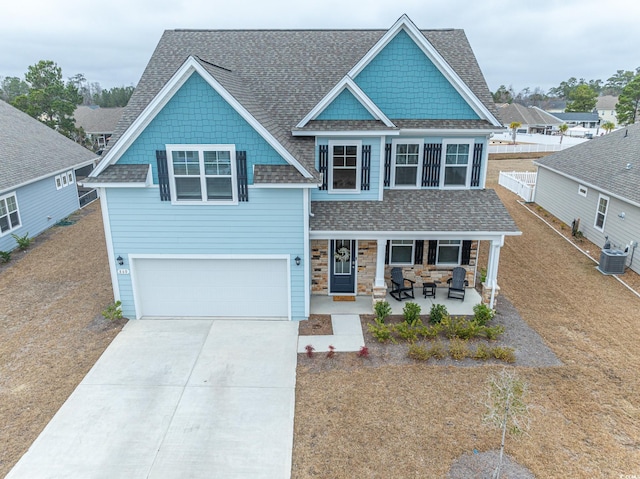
(98, 123)
(597, 183)
(252, 169)
(38, 170)
(532, 119)
(582, 119)
(606, 107)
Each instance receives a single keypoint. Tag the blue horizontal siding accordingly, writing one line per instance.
(270, 223)
(345, 107)
(197, 114)
(405, 84)
(36, 203)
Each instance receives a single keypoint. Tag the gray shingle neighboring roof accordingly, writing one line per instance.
(602, 162)
(121, 174)
(577, 116)
(96, 120)
(526, 115)
(416, 210)
(280, 75)
(30, 150)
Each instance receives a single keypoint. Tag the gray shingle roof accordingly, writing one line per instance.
(606, 102)
(121, 174)
(96, 120)
(280, 75)
(279, 174)
(526, 115)
(30, 150)
(602, 162)
(421, 210)
(577, 116)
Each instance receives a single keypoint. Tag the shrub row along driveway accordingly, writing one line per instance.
(414, 421)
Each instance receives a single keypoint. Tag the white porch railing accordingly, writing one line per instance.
(522, 183)
(527, 148)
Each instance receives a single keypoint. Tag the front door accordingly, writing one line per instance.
(342, 261)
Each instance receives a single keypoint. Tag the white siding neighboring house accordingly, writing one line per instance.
(597, 182)
(606, 107)
(38, 175)
(98, 123)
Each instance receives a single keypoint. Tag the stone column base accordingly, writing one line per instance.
(486, 293)
(379, 294)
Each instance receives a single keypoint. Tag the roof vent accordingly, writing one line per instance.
(628, 167)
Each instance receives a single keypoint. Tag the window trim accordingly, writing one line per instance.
(69, 177)
(406, 141)
(413, 252)
(15, 199)
(438, 263)
(58, 182)
(358, 145)
(583, 190)
(604, 215)
(443, 162)
(200, 149)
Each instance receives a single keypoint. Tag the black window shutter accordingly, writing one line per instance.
(431, 254)
(477, 161)
(243, 180)
(366, 168)
(419, 252)
(387, 164)
(386, 253)
(163, 175)
(323, 167)
(431, 164)
(466, 252)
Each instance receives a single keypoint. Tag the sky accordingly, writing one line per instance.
(519, 44)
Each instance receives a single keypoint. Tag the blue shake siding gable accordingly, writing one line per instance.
(197, 114)
(270, 223)
(345, 107)
(405, 84)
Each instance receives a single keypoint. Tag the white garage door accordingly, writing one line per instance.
(196, 288)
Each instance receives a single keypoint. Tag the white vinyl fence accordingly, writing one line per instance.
(526, 148)
(522, 183)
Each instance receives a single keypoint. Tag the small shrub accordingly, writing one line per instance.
(409, 332)
(483, 275)
(380, 331)
(438, 311)
(382, 310)
(332, 351)
(493, 332)
(113, 311)
(309, 349)
(437, 350)
(507, 355)
(23, 241)
(482, 314)
(5, 256)
(364, 352)
(459, 327)
(458, 349)
(482, 352)
(411, 313)
(429, 332)
(419, 352)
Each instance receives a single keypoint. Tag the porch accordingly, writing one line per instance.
(323, 304)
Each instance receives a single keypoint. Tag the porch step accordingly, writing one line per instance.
(347, 336)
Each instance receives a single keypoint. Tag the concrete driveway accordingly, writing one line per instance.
(178, 399)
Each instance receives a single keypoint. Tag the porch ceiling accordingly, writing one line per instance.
(446, 211)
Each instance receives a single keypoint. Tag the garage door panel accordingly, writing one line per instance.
(211, 287)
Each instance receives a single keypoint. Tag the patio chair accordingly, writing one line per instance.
(457, 283)
(401, 288)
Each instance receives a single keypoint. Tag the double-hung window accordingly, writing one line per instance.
(345, 166)
(401, 252)
(406, 163)
(203, 173)
(9, 216)
(449, 252)
(601, 213)
(457, 163)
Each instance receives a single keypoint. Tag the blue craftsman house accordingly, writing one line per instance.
(254, 169)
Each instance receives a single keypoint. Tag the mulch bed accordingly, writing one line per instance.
(316, 325)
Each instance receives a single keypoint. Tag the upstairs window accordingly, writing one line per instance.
(9, 216)
(456, 164)
(406, 163)
(203, 174)
(345, 166)
(601, 213)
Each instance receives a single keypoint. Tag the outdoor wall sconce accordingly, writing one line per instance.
(297, 260)
(120, 260)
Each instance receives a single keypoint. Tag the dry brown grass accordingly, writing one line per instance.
(414, 421)
(51, 330)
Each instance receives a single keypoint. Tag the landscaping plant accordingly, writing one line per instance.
(507, 409)
(5, 256)
(23, 241)
(411, 313)
(409, 331)
(438, 311)
(458, 349)
(482, 313)
(381, 331)
(364, 352)
(113, 311)
(309, 349)
(382, 310)
(332, 351)
(418, 352)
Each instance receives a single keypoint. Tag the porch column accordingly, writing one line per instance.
(379, 285)
(491, 282)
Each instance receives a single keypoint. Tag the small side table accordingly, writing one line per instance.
(429, 289)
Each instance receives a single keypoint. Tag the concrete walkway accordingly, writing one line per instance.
(347, 336)
(177, 399)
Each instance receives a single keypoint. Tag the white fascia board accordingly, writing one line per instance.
(285, 185)
(412, 235)
(441, 64)
(88, 184)
(449, 132)
(589, 185)
(333, 133)
(357, 92)
(190, 66)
